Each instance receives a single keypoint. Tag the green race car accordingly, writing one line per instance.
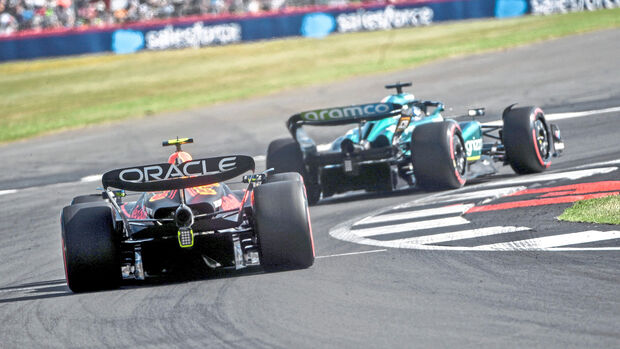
(402, 136)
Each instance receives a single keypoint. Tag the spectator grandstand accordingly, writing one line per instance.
(41, 15)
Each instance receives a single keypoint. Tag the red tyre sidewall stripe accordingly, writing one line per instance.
(458, 175)
(303, 185)
(310, 226)
(64, 258)
(540, 159)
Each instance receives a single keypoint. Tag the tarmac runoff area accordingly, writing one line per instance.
(261, 158)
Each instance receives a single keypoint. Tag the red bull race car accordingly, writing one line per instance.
(184, 212)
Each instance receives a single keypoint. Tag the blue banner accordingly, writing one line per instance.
(208, 32)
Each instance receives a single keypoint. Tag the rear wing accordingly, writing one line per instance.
(343, 115)
(195, 173)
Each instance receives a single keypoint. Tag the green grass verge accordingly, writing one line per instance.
(602, 210)
(46, 95)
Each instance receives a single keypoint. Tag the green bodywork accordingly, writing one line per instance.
(471, 131)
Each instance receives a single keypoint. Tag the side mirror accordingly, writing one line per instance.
(439, 107)
(476, 112)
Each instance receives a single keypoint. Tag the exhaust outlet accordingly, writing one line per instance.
(183, 217)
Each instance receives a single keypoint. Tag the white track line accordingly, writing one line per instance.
(575, 249)
(93, 178)
(556, 116)
(572, 175)
(342, 233)
(570, 115)
(562, 116)
(457, 235)
(389, 217)
(602, 163)
(555, 241)
(350, 254)
(413, 226)
(482, 194)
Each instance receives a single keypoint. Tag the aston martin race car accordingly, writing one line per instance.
(404, 137)
(183, 213)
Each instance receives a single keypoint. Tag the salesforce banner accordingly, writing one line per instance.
(181, 33)
(546, 7)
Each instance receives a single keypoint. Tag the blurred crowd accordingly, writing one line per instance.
(18, 15)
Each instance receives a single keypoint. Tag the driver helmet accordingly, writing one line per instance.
(415, 112)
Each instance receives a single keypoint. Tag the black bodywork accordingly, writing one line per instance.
(183, 213)
(150, 225)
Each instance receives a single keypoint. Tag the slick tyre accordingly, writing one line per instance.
(282, 177)
(90, 247)
(526, 139)
(284, 155)
(282, 223)
(86, 198)
(438, 155)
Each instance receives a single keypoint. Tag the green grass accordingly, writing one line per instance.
(52, 94)
(605, 210)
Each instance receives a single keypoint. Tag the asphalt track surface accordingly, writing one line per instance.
(390, 297)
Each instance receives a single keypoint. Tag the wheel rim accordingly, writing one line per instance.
(460, 158)
(542, 138)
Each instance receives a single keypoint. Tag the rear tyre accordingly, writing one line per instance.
(526, 139)
(284, 155)
(90, 247)
(438, 155)
(86, 198)
(283, 177)
(282, 223)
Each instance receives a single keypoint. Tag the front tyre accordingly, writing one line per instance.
(86, 198)
(438, 155)
(283, 177)
(284, 155)
(526, 139)
(90, 247)
(282, 223)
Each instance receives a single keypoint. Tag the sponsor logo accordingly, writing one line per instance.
(510, 8)
(475, 145)
(403, 123)
(127, 41)
(317, 25)
(171, 171)
(209, 189)
(347, 112)
(387, 18)
(546, 7)
(195, 36)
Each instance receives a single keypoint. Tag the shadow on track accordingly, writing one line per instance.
(360, 195)
(403, 191)
(58, 288)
